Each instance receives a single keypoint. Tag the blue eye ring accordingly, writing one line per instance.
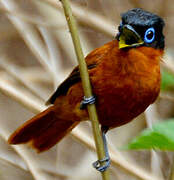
(151, 32)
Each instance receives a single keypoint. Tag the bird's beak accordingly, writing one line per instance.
(128, 37)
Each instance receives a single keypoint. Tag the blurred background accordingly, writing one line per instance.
(36, 54)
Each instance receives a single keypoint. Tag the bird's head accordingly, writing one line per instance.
(140, 28)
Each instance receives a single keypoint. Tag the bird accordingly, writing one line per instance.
(125, 78)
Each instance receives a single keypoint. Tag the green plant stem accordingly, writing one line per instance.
(85, 83)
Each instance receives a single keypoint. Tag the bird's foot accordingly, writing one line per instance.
(100, 166)
(86, 101)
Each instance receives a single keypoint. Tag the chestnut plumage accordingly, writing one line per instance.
(125, 77)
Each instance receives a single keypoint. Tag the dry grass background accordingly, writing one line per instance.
(36, 54)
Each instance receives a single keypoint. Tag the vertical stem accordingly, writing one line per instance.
(85, 83)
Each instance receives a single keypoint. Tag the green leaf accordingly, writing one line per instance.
(160, 136)
(167, 81)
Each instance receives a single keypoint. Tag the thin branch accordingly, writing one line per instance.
(54, 55)
(30, 36)
(86, 84)
(14, 71)
(19, 96)
(35, 20)
(88, 17)
(15, 164)
(35, 75)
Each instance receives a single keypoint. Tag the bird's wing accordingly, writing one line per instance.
(93, 59)
(73, 78)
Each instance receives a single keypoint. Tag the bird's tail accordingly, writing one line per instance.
(42, 131)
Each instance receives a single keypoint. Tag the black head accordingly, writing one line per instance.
(140, 28)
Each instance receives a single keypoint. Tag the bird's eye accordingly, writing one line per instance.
(149, 35)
